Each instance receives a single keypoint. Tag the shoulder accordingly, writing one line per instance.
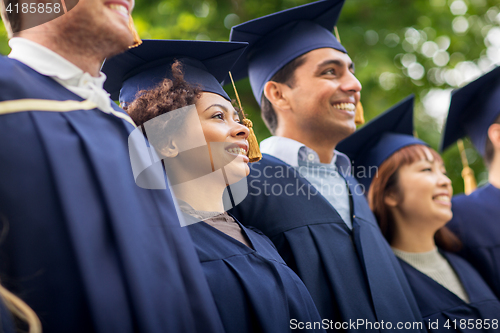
(9, 68)
(458, 263)
(478, 195)
(15, 79)
(269, 160)
(268, 166)
(258, 234)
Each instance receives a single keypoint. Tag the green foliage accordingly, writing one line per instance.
(424, 47)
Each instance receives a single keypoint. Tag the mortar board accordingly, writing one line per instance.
(473, 109)
(276, 39)
(375, 142)
(205, 64)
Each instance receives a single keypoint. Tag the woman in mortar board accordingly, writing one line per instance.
(410, 195)
(171, 89)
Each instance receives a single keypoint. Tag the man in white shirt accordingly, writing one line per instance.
(84, 246)
(301, 193)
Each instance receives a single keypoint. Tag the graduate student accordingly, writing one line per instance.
(85, 247)
(301, 194)
(411, 198)
(172, 89)
(475, 112)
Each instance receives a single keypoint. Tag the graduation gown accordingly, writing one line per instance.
(6, 322)
(253, 288)
(440, 307)
(351, 274)
(476, 221)
(84, 246)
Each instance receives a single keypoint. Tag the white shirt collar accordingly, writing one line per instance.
(49, 63)
(285, 149)
(288, 150)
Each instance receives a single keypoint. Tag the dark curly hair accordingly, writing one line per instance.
(168, 95)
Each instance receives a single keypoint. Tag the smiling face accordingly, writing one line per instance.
(324, 95)
(423, 192)
(225, 135)
(100, 26)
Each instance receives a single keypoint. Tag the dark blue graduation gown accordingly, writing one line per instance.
(86, 248)
(255, 291)
(6, 322)
(476, 221)
(350, 274)
(439, 306)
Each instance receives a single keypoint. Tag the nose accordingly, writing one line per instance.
(239, 130)
(351, 83)
(443, 180)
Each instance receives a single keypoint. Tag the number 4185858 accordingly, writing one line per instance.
(472, 324)
(33, 8)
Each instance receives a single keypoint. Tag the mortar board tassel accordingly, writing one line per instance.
(254, 154)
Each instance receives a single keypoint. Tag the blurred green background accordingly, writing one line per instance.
(399, 47)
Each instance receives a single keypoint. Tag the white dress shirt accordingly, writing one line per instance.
(326, 178)
(49, 63)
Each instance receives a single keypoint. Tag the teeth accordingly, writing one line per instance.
(442, 198)
(236, 151)
(120, 8)
(345, 106)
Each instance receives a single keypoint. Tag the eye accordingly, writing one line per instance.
(218, 115)
(329, 71)
(426, 169)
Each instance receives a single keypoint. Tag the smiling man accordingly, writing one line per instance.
(301, 193)
(84, 246)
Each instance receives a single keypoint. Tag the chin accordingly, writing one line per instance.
(236, 171)
(344, 130)
(444, 217)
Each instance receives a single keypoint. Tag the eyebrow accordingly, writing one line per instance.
(336, 62)
(223, 108)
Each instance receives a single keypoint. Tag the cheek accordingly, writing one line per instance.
(418, 191)
(214, 133)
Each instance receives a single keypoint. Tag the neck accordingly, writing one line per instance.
(204, 193)
(413, 237)
(86, 59)
(494, 171)
(324, 148)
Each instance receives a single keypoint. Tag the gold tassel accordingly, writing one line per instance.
(137, 39)
(467, 173)
(359, 117)
(254, 154)
(337, 34)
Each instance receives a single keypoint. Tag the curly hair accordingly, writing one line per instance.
(168, 95)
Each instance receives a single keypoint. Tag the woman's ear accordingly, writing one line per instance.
(170, 149)
(391, 199)
(276, 94)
